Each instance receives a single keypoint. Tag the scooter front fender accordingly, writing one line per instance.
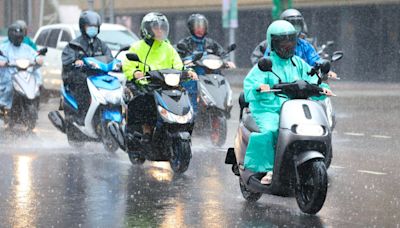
(307, 156)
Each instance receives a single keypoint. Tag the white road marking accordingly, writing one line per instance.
(371, 172)
(354, 134)
(337, 167)
(381, 136)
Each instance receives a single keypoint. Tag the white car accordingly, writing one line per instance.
(55, 37)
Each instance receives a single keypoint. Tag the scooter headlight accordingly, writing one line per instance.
(18, 88)
(23, 63)
(213, 64)
(172, 79)
(309, 130)
(175, 118)
(206, 96)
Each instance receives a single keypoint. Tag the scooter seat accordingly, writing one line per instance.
(250, 124)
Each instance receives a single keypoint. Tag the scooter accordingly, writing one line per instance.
(303, 141)
(26, 96)
(215, 97)
(106, 105)
(171, 138)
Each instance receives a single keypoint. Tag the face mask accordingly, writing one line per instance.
(92, 31)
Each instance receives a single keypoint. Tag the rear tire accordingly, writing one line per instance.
(247, 194)
(73, 135)
(311, 193)
(181, 155)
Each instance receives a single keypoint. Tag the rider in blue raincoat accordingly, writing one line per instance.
(198, 26)
(12, 51)
(304, 49)
(265, 107)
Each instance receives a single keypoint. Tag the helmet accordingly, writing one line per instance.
(15, 34)
(154, 26)
(295, 18)
(197, 20)
(89, 18)
(23, 25)
(282, 38)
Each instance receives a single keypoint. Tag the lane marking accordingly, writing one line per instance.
(354, 134)
(337, 167)
(381, 136)
(371, 172)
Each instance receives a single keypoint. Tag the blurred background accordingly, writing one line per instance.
(367, 31)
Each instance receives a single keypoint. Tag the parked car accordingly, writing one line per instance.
(55, 37)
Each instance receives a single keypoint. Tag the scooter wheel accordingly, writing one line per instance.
(311, 192)
(247, 194)
(181, 155)
(135, 158)
(73, 136)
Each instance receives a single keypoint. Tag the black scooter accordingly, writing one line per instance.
(303, 142)
(171, 139)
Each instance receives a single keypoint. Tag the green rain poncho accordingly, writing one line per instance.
(265, 108)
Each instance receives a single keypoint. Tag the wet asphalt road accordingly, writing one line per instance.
(46, 183)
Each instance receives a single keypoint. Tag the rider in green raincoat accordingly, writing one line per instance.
(265, 107)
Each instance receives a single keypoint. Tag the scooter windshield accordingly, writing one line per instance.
(103, 63)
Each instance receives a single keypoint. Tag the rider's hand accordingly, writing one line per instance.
(138, 74)
(3, 63)
(264, 88)
(78, 63)
(230, 65)
(332, 74)
(193, 75)
(39, 60)
(328, 92)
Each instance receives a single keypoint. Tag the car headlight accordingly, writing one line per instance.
(206, 96)
(175, 118)
(172, 79)
(309, 130)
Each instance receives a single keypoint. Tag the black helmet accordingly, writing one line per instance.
(197, 20)
(295, 18)
(154, 20)
(23, 25)
(15, 34)
(90, 18)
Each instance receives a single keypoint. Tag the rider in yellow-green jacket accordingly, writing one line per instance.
(153, 50)
(265, 107)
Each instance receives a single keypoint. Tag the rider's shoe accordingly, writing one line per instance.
(267, 179)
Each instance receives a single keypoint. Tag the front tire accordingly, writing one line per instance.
(247, 194)
(311, 193)
(181, 155)
(108, 141)
(218, 130)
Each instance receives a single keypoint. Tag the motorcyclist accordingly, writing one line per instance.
(11, 51)
(156, 53)
(265, 107)
(27, 40)
(86, 45)
(197, 41)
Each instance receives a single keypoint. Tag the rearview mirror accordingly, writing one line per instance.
(265, 64)
(181, 46)
(133, 57)
(336, 56)
(232, 47)
(330, 43)
(197, 55)
(125, 48)
(42, 51)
